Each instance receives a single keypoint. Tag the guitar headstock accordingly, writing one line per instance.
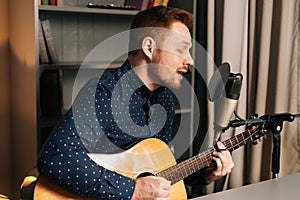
(257, 133)
(252, 134)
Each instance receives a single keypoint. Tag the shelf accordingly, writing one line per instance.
(80, 65)
(183, 111)
(87, 10)
(49, 121)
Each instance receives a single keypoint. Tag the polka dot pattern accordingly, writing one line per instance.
(90, 126)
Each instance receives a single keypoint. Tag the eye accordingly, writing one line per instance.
(181, 50)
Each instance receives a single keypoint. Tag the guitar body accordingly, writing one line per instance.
(148, 156)
(47, 189)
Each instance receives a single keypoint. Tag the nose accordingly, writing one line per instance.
(188, 60)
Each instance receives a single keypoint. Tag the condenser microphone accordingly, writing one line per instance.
(226, 105)
(225, 88)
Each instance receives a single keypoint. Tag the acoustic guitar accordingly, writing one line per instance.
(150, 156)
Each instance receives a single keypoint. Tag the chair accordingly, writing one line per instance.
(28, 185)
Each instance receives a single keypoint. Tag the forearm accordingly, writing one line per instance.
(70, 166)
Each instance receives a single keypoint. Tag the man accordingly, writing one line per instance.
(119, 109)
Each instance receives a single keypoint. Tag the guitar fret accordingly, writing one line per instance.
(177, 175)
(193, 165)
(248, 135)
(240, 141)
(207, 158)
(228, 143)
(171, 176)
(210, 156)
(163, 174)
(237, 143)
(232, 145)
(243, 138)
(201, 161)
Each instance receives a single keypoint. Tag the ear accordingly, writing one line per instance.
(148, 47)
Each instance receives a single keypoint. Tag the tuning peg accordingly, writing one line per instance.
(254, 116)
(254, 142)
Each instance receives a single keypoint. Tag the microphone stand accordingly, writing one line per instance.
(273, 123)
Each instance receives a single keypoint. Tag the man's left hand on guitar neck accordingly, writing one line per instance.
(221, 166)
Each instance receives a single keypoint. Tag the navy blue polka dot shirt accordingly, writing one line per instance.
(109, 114)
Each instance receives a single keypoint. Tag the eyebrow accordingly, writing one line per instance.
(186, 43)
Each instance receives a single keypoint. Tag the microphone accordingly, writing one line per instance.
(226, 104)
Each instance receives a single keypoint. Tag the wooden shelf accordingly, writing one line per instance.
(49, 121)
(79, 65)
(78, 9)
(183, 111)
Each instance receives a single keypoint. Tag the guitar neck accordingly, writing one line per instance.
(183, 169)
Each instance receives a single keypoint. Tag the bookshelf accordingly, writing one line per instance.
(77, 30)
(77, 9)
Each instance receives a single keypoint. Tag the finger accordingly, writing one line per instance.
(162, 187)
(224, 162)
(222, 158)
(221, 147)
(162, 179)
(225, 156)
(165, 186)
(163, 183)
(219, 165)
(163, 193)
(160, 182)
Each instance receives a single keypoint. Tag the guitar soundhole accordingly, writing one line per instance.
(145, 174)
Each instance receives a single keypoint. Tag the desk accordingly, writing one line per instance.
(284, 188)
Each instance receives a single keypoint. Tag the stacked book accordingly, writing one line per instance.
(47, 50)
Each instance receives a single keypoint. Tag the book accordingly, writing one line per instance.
(150, 4)
(53, 2)
(51, 93)
(60, 2)
(138, 4)
(160, 2)
(39, 2)
(153, 3)
(45, 2)
(49, 41)
(145, 4)
(42, 46)
(165, 2)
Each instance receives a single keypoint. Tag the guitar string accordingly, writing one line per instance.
(172, 173)
(194, 163)
(240, 142)
(197, 162)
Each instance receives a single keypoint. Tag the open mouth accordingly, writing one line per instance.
(180, 74)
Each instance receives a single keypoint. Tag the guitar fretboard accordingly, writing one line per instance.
(184, 169)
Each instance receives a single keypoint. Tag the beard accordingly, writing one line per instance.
(168, 77)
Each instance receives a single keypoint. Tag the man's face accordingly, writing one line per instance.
(173, 56)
